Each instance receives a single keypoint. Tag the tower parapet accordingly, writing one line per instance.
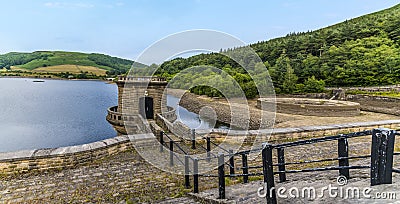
(139, 96)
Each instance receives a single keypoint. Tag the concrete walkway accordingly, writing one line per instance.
(248, 193)
(114, 179)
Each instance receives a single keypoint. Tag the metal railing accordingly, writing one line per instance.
(381, 160)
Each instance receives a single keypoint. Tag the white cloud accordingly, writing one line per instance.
(67, 5)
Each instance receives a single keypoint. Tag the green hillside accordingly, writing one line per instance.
(359, 52)
(41, 59)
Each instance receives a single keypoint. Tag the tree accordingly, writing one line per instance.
(278, 71)
(312, 85)
(289, 83)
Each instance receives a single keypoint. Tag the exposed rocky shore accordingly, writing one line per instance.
(222, 109)
(372, 110)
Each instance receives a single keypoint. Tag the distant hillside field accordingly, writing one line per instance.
(62, 62)
(73, 69)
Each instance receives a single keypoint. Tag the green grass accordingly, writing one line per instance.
(393, 94)
(62, 58)
(42, 60)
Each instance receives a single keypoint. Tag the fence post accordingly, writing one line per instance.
(343, 152)
(281, 162)
(231, 163)
(162, 137)
(382, 156)
(195, 175)
(245, 167)
(161, 141)
(171, 153)
(208, 149)
(193, 131)
(268, 172)
(221, 176)
(187, 173)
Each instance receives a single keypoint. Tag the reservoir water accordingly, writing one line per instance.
(58, 113)
(53, 113)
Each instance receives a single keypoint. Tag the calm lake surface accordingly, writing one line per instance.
(54, 113)
(58, 113)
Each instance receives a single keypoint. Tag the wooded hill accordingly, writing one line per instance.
(359, 52)
(41, 59)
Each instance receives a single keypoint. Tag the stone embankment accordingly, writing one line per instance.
(378, 104)
(222, 109)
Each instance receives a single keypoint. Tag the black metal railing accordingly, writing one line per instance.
(381, 160)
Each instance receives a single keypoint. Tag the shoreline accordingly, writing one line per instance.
(195, 103)
(43, 78)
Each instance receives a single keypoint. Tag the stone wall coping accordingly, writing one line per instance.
(298, 129)
(60, 151)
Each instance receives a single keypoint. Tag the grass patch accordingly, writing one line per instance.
(392, 94)
(62, 58)
(73, 69)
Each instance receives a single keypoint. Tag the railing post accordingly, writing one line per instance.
(343, 152)
(171, 153)
(187, 173)
(382, 156)
(161, 141)
(221, 176)
(231, 163)
(195, 175)
(208, 149)
(245, 167)
(193, 132)
(268, 172)
(162, 137)
(281, 162)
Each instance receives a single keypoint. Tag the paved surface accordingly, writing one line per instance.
(126, 177)
(247, 193)
(118, 178)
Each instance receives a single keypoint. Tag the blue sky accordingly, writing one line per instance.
(124, 28)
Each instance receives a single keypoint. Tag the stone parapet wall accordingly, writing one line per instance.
(65, 157)
(376, 88)
(292, 134)
(170, 114)
(135, 122)
(357, 97)
(177, 128)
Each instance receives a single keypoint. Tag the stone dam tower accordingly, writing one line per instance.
(140, 99)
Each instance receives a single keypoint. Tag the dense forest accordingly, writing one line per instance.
(359, 52)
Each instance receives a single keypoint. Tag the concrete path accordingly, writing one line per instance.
(248, 193)
(118, 178)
